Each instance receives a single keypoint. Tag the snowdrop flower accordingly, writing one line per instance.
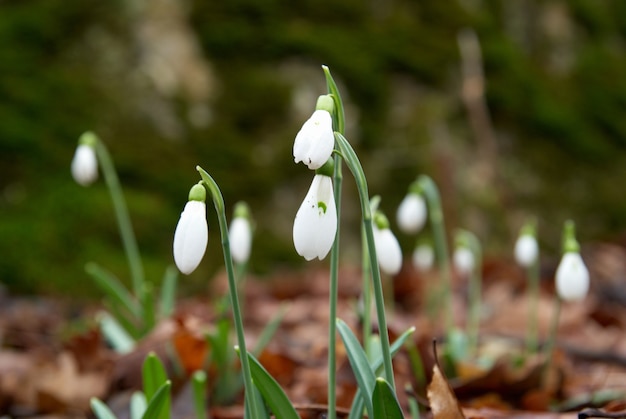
(388, 249)
(423, 257)
(463, 260)
(192, 232)
(572, 276)
(240, 233)
(526, 247)
(315, 226)
(411, 215)
(85, 164)
(315, 141)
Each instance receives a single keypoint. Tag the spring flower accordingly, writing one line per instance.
(388, 249)
(315, 226)
(411, 215)
(463, 260)
(85, 164)
(315, 141)
(526, 247)
(423, 257)
(572, 276)
(240, 233)
(192, 232)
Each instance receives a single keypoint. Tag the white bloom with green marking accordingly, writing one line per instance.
(192, 232)
(315, 141)
(572, 277)
(315, 225)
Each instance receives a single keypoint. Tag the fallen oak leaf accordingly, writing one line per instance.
(443, 402)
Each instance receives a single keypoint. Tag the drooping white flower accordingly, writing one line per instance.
(463, 260)
(192, 232)
(388, 251)
(423, 257)
(315, 225)
(85, 165)
(411, 214)
(572, 277)
(526, 250)
(240, 234)
(315, 141)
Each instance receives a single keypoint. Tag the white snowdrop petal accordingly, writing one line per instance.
(191, 237)
(84, 165)
(388, 251)
(572, 277)
(463, 260)
(411, 214)
(423, 257)
(315, 225)
(240, 236)
(526, 250)
(315, 141)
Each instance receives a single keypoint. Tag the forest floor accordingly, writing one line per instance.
(53, 358)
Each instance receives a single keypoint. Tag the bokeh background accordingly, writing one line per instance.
(168, 84)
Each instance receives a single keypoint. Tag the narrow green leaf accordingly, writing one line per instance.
(159, 405)
(147, 307)
(168, 291)
(271, 391)
(127, 321)
(386, 405)
(138, 405)
(360, 365)
(268, 331)
(357, 403)
(113, 288)
(154, 375)
(101, 410)
(115, 334)
(259, 402)
(333, 90)
(199, 385)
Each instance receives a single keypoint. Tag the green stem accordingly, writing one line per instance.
(339, 124)
(533, 299)
(431, 193)
(359, 176)
(367, 291)
(123, 219)
(218, 201)
(475, 285)
(551, 343)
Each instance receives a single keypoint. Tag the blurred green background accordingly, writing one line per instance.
(168, 84)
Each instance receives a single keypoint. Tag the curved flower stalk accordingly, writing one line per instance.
(85, 163)
(240, 233)
(572, 282)
(218, 201)
(527, 256)
(423, 256)
(192, 232)
(315, 141)
(468, 261)
(412, 213)
(388, 249)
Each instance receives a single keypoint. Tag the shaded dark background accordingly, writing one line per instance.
(169, 84)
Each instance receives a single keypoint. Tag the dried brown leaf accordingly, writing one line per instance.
(443, 402)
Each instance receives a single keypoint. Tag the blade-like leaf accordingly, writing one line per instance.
(269, 330)
(138, 405)
(147, 308)
(115, 334)
(357, 402)
(101, 410)
(113, 288)
(386, 405)
(360, 365)
(159, 405)
(199, 385)
(154, 378)
(168, 291)
(271, 391)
